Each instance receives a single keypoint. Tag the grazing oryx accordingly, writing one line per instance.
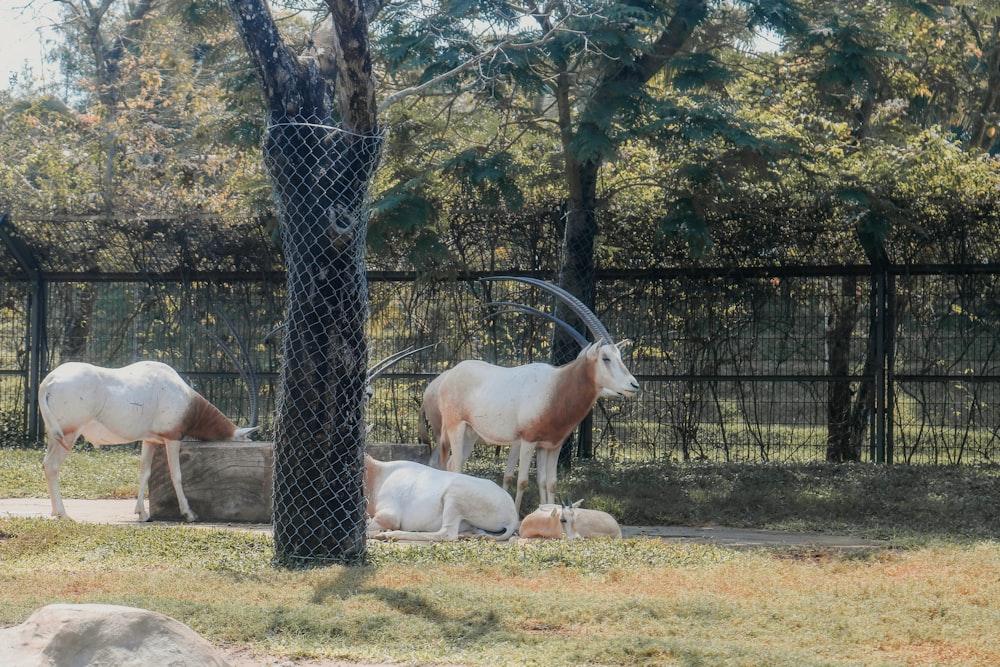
(569, 521)
(145, 401)
(527, 407)
(411, 501)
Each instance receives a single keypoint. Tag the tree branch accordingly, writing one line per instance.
(355, 86)
(468, 64)
(279, 71)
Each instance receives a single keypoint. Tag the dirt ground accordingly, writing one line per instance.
(240, 657)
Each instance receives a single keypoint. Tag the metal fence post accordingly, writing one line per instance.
(880, 395)
(890, 363)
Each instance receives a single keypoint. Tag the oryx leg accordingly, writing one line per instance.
(451, 523)
(173, 448)
(462, 439)
(54, 456)
(523, 466)
(145, 470)
(384, 520)
(546, 463)
(508, 473)
(439, 455)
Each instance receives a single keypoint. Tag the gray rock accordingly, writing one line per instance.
(88, 635)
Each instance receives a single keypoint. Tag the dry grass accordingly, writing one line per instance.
(930, 599)
(632, 602)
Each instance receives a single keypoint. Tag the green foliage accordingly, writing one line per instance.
(12, 428)
(685, 221)
(867, 122)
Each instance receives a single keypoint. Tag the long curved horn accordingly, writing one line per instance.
(598, 330)
(250, 377)
(272, 332)
(521, 308)
(381, 366)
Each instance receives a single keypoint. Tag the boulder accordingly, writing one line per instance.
(83, 635)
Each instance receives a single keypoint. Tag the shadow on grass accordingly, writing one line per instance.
(863, 499)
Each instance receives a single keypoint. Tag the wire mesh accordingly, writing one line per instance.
(947, 368)
(13, 362)
(113, 324)
(320, 175)
(735, 365)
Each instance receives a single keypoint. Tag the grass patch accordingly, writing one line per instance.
(106, 472)
(630, 602)
(626, 602)
(864, 500)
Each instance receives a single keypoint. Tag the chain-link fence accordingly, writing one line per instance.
(321, 176)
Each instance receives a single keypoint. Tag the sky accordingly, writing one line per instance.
(21, 33)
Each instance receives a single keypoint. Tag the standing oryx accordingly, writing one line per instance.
(535, 406)
(145, 401)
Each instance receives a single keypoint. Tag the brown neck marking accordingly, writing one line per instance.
(572, 396)
(204, 421)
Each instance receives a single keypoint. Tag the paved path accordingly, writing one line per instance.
(122, 512)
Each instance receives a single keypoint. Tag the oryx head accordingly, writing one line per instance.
(567, 519)
(610, 372)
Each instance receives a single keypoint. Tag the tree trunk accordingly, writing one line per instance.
(841, 444)
(979, 136)
(80, 300)
(321, 176)
(578, 265)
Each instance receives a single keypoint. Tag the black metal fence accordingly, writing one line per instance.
(755, 364)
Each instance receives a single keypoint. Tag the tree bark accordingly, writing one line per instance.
(842, 317)
(578, 264)
(321, 176)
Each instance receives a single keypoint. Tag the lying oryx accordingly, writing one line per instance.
(568, 521)
(531, 406)
(411, 501)
(145, 401)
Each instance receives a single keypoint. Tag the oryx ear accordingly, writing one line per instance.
(621, 345)
(555, 512)
(577, 504)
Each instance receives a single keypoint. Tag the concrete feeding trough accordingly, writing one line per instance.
(231, 481)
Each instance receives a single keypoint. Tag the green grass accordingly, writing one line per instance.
(108, 472)
(629, 602)
(947, 502)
